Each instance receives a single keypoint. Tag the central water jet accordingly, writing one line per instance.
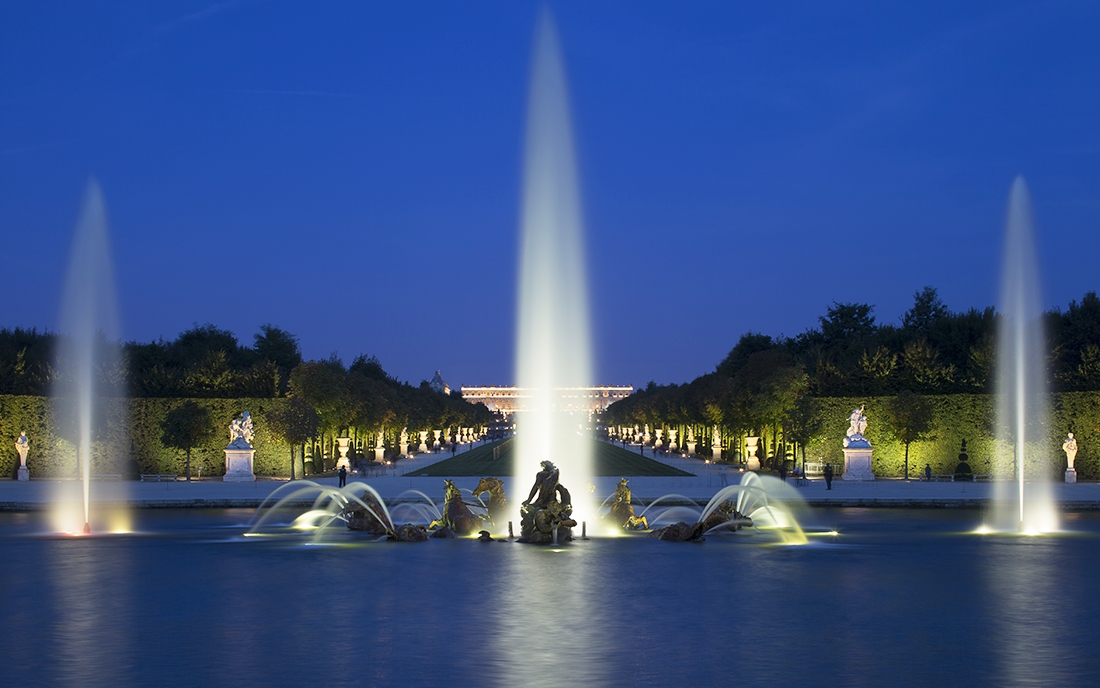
(1022, 406)
(87, 349)
(553, 351)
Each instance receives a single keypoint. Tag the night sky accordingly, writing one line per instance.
(350, 171)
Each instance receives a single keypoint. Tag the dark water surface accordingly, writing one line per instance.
(899, 598)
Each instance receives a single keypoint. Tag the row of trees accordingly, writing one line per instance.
(763, 385)
(202, 363)
(323, 398)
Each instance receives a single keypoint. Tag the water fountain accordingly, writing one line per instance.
(89, 329)
(1026, 504)
(553, 349)
(763, 503)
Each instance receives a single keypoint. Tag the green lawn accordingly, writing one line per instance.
(611, 461)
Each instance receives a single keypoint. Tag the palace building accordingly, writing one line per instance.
(508, 400)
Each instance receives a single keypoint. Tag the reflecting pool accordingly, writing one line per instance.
(897, 598)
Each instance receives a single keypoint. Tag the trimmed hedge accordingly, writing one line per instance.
(970, 417)
(130, 429)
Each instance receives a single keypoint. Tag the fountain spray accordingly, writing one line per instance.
(1022, 406)
(553, 349)
(88, 331)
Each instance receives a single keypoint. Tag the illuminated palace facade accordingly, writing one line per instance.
(508, 400)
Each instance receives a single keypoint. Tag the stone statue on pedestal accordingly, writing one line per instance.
(240, 432)
(1070, 448)
(858, 424)
(22, 445)
(857, 450)
(379, 447)
(239, 454)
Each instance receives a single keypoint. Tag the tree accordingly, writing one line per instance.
(186, 426)
(910, 415)
(847, 321)
(749, 344)
(802, 424)
(295, 423)
(927, 309)
(324, 386)
(281, 348)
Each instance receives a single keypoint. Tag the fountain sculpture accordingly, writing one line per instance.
(622, 511)
(456, 519)
(498, 503)
(546, 515)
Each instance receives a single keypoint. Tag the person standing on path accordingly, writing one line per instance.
(828, 476)
(927, 472)
(343, 473)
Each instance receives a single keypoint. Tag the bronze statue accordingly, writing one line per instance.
(409, 532)
(456, 515)
(546, 516)
(725, 514)
(622, 511)
(498, 504)
(370, 519)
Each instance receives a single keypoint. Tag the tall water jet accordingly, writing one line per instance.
(553, 351)
(87, 352)
(1026, 503)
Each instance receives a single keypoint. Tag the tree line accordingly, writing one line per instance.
(763, 385)
(323, 398)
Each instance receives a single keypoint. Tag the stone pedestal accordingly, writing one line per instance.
(672, 446)
(1071, 475)
(752, 461)
(342, 444)
(25, 475)
(691, 448)
(238, 466)
(437, 433)
(857, 462)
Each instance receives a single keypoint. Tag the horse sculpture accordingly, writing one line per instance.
(457, 517)
(498, 503)
(622, 511)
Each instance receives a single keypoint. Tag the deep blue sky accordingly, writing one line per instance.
(350, 171)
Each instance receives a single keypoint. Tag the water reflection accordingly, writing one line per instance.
(1028, 607)
(546, 626)
(91, 611)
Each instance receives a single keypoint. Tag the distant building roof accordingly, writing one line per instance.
(439, 385)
